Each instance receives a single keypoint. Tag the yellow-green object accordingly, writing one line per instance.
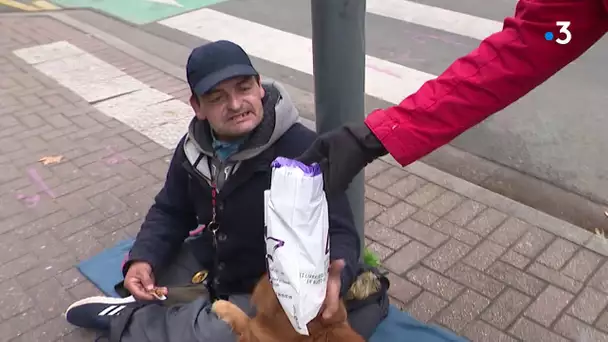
(370, 258)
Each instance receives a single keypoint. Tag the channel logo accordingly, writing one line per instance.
(564, 33)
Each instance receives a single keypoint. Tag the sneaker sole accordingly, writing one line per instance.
(101, 300)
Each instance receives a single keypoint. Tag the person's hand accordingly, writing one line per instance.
(342, 153)
(334, 283)
(139, 280)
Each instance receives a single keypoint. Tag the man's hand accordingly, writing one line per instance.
(342, 153)
(140, 281)
(334, 283)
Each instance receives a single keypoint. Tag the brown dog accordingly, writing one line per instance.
(272, 325)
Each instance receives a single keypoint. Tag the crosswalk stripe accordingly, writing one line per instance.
(438, 18)
(155, 114)
(384, 79)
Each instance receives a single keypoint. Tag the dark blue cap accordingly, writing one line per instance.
(215, 62)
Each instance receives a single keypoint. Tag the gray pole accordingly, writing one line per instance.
(338, 43)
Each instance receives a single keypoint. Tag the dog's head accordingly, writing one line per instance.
(270, 313)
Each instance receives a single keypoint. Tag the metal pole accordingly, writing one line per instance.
(338, 43)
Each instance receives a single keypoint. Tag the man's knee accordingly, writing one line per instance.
(365, 319)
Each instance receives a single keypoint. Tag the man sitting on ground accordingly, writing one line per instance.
(217, 178)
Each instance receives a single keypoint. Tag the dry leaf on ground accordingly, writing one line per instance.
(50, 160)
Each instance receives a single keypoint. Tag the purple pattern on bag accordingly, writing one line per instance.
(309, 170)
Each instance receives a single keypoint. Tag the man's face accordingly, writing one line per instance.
(233, 107)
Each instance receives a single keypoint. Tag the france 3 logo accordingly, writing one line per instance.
(564, 33)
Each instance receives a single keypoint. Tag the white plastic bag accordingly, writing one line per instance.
(297, 239)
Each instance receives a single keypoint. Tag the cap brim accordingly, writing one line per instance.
(215, 78)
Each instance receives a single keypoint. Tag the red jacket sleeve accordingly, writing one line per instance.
(505, 66)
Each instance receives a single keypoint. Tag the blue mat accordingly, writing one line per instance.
(104, 270)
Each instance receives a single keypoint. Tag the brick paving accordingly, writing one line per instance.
(458, 255)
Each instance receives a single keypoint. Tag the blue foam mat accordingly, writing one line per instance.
(104, 270)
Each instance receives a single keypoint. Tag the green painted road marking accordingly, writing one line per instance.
(140, 11)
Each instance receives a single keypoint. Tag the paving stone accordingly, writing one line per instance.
(10, 250)
(463, 310)
(515, 259)
(376, 167)
(386, 236)
(478, 331)
(434, 282)
(387, 178)
(45, 246)
(372, 209)
(506, 308)
(424, 195)
(403, 188)
(425, 217)
(509, 232)
(422, 233)
(380, 250)
(84, 290)
(70, 278)
(20, 324)
(602, 322)
(588, 305)
(51, 299)
(447, 255)
(379, 196)
(395, 214)
(514, 277)
(555, 277)
(578, 331)
(530, 331)
(582, 264)
(558, 253)
(475, 280)
(548, 305)
(17, 266)
(533, 242)
(444, 203)
(600, 279)
(465, 212)
(83, 244)
(408, 256)
(402, 289)
(456, 232)
(49, 331)
(484, 255)
(425, 306)
(78, 224)
(13, 300)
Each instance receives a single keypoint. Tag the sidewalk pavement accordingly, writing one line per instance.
(458, 255)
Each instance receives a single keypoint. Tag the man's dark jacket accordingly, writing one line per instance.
(184, 202)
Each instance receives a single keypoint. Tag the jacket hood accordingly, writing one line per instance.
(279, 115)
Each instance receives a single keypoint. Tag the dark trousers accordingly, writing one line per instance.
(186, 316)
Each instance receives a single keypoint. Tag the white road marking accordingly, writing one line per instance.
(385, 80)
(155, 114)
(168, 2)
(438, 18)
